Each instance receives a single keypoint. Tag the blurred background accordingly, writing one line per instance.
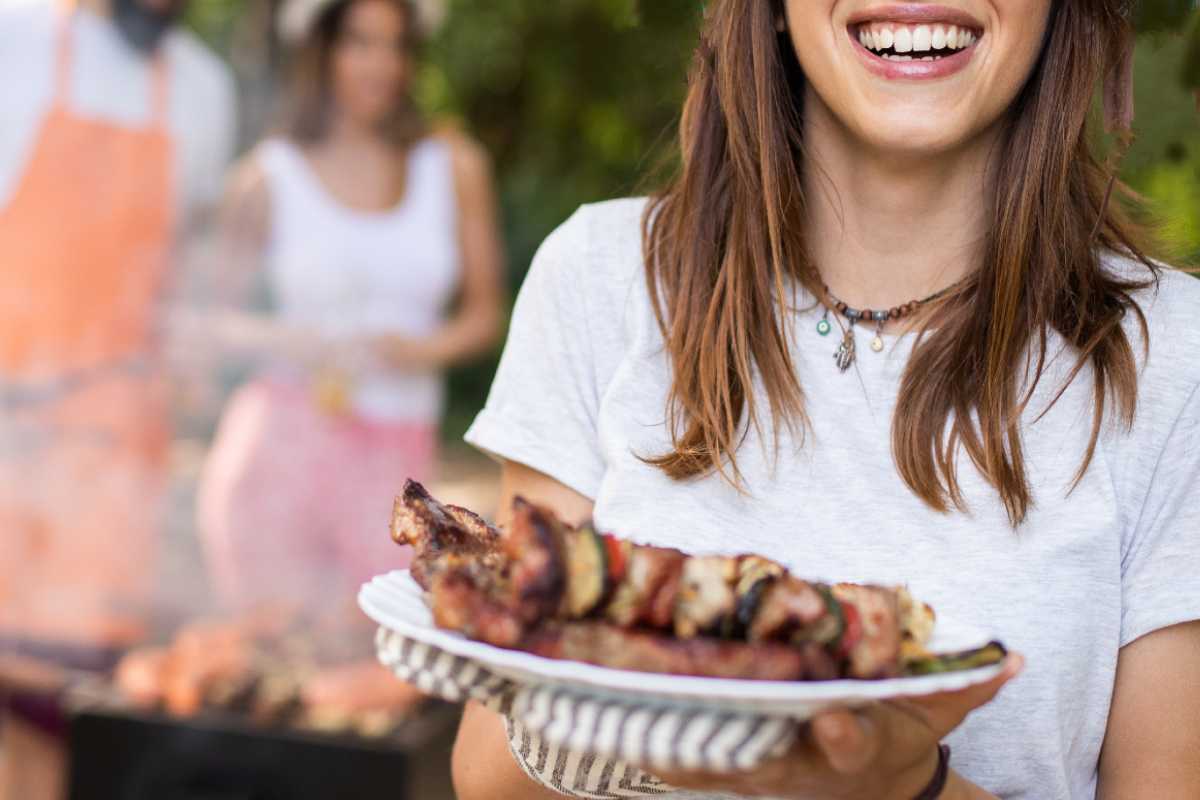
(510, 115)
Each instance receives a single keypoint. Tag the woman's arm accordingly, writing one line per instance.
(483, 767)
(1152, 746)
(475, 325)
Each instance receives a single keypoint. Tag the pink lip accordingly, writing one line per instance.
(914, 13)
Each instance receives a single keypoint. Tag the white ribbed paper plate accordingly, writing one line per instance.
(395, 601)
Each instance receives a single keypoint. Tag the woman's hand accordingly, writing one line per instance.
(886, 751)
(407, 353)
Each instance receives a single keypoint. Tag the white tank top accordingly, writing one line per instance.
(350, 273)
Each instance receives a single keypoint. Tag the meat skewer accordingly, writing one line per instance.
(546, 587)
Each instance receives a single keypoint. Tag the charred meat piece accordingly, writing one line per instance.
(441, 536)
(648, 651)
(461, 604)
(871, 639)
(537, 573)
(788, 606)
(647, 593)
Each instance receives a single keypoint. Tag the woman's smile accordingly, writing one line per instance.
(910, 42)
(914, 78)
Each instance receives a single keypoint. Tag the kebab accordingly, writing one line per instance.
(561, 591)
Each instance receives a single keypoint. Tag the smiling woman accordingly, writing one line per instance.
(1017, 444)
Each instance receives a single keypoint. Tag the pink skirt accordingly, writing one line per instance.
(295, 504)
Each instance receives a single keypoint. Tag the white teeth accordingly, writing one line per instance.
(921, 38)
(912, 38)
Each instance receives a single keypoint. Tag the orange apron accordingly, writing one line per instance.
(83, 423)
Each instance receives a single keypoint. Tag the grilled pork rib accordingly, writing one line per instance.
(442, 536)
(543, 586)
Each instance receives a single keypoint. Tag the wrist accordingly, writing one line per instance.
(915, 782)
(959, 788)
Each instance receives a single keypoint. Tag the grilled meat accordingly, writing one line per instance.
(646, 595)
(871, 640)
(537, 571)
(785, 606)
(461, 604)
(707, 599)
(543, 586)
(650, 651)
(442, 536)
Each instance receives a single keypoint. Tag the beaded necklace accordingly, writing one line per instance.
(845, 354)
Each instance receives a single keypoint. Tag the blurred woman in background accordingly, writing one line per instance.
(363, 227)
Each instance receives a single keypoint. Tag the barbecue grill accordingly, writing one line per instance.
(119, 753)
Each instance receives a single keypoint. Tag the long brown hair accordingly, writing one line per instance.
(310, 97)
(726, 238)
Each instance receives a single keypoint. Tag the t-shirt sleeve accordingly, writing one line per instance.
(542, 408)
(1160, 568)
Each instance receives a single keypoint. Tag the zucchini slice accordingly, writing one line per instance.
(587, 570)
(991, 653)
(829, 629)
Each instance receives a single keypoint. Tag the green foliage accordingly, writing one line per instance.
(1191, 56)
(215, 20)
(1164, 161)
(1161, 15)
(574, 99)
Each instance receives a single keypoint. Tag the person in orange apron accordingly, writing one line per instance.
(83, 247)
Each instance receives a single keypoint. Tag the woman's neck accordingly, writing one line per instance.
(347, 133)
(99, 7)
(883, 228)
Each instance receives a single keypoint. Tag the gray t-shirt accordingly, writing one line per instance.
(581, 394)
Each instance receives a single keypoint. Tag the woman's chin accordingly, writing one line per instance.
(911, 135)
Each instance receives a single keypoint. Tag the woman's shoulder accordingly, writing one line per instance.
(467, 157)
(600, 245)
(1167, 347)
(588, 275)
(1169, 300)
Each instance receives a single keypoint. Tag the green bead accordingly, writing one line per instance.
(823, 327)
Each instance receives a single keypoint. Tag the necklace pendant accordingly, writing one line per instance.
(823, 327)
(877, 343)
(844, 356)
